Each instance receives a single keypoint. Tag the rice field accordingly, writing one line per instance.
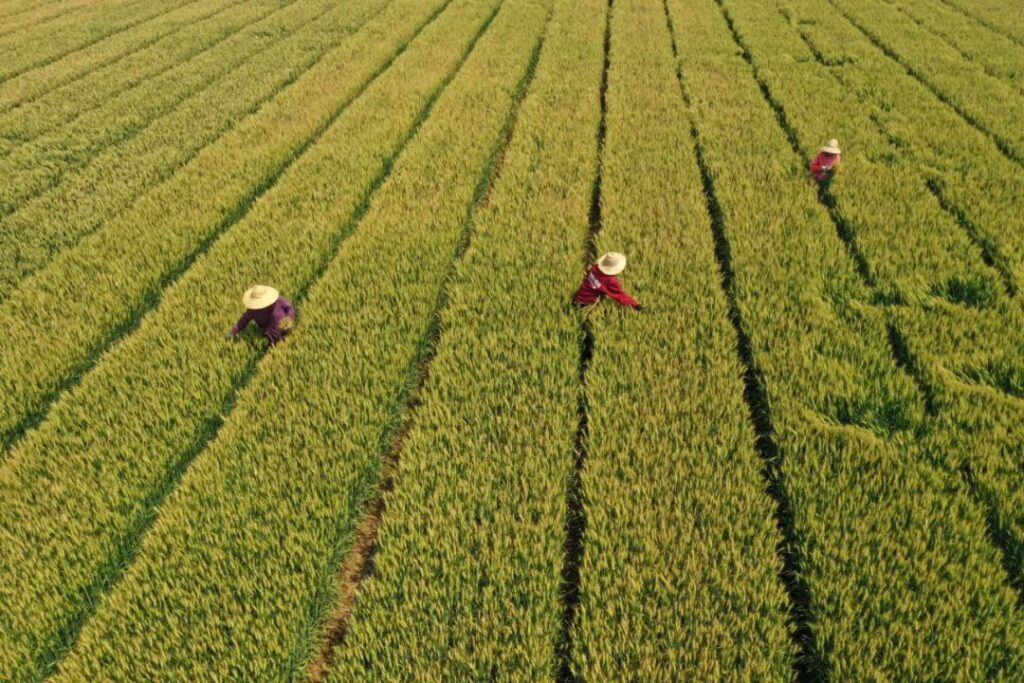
(802, 460)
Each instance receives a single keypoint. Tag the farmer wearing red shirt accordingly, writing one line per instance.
(825, 164)
(269, 310)
(600, 281)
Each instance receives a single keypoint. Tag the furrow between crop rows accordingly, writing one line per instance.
(1000, 59)
(316, 236)
(185, 215)
(997, 120)
(358, 562)
(970, 337)
(29, 120)
(86, 200)
(846, 417)
(312, 500)
(27, 50)
(119, 119)
(996, 17)
(811, 663)
(35, 83)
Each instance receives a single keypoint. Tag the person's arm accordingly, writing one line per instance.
(242, 323)
(287, 308)
(615, 291)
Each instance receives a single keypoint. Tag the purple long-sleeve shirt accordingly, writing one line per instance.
(269, 319)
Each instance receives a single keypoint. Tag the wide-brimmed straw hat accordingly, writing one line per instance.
(612, 263)
(832, 147)
(259, 296)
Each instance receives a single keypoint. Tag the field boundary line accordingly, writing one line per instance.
(355, 560)
(1000, 535)
(53, 58)
(114, 569)
(128, 134)
(1005, 147)
(575, 495)
(17, 104)
(811, 662)
(75, 374)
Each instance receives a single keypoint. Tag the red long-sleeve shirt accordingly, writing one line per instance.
(596, 284)
(269, 319)
(823, 165)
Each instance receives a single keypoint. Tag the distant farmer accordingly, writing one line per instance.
(825, 164)
(265, 306)
(600, 281)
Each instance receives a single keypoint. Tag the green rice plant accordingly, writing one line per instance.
(39, 164)
(254, 532)
(40, 44)
(998, 55)
(84, 200)
(467, 575)
(888, 540)
(56, 107)
(181, 217)
(187, 374)
(994, 15)
(35, 82)
(680, 578)
(55, 14)
(966, 168)
(989, 103)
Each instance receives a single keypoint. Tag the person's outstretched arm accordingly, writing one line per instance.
(615, 291)
(242, 323)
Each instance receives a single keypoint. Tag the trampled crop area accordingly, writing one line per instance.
(802, 460)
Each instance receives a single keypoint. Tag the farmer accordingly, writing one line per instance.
(824, 165)
(267, 308)
(600, 281)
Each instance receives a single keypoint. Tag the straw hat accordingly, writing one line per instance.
(832, 147)
(259, 296)
(612, 263)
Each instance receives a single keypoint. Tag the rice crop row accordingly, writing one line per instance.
(255, 529)
(948, 342)
(60, 105)
(55, 579)
(35, 166)
(477, 499)
(85, 200)
(35, 82)
(994, 15)
(888, 541)
(38, 45)
(53, 15)
(680, 578)
(989, 103)
(182, 216)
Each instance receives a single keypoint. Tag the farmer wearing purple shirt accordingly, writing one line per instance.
(267, 308)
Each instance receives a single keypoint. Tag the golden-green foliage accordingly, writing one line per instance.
(991, 102)
(253, 533)
(59, 105)
(125, 445)
(889, 540)
(952, 335)
(997, 16)
(38, 43)
(41, 162)
(35, 82)
(83, 200)
(49, 338)
(467, 578)
(679, 577)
